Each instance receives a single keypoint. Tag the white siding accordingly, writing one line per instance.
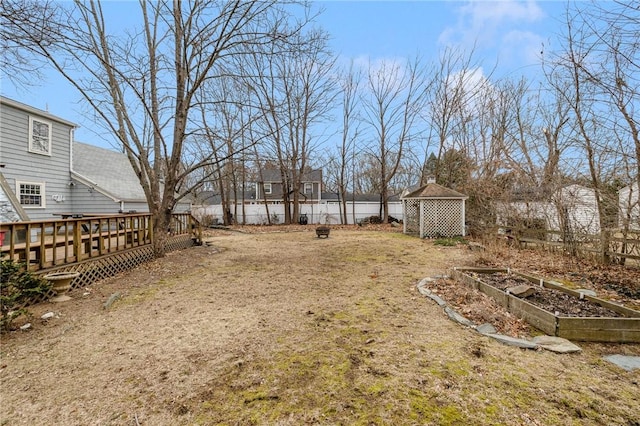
(577, 202)
(629, 206)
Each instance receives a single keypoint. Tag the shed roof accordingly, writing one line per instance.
(435, 191)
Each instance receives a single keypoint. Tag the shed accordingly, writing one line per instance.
(433, 211)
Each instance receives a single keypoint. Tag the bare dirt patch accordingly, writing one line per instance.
(285, 328)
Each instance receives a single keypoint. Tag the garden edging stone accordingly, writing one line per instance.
(550, 343)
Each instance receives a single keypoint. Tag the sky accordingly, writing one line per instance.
(506, 34)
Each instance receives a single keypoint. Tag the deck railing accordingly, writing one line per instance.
(50, 243)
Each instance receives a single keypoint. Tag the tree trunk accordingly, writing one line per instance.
(161, 228)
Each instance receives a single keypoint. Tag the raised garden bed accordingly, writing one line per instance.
(556, 309)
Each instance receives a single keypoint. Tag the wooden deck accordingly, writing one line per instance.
(47, 244)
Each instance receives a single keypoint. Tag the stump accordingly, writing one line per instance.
(322, 231)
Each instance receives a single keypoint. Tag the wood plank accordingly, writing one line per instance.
(623, 330)
(537, 317)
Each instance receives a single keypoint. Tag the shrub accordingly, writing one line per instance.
(19, 286)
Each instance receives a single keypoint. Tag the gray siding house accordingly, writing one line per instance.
(103, 181)
(35, 157)
(44, 173)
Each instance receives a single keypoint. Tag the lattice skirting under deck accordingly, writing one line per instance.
(97, 269)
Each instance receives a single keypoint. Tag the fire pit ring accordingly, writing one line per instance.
(323, 231)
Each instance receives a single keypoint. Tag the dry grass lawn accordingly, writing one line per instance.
(288, 329)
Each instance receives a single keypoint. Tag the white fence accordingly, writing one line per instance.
(324, 213)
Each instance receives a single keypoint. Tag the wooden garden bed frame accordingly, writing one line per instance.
(593, 329)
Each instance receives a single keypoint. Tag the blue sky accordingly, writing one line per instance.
(507, 32)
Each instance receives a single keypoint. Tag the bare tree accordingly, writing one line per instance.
(143, 85)
(455, 81)
(24, 26)
(294, 90)
(572, 75)
(309, 93)
(612, 36)
(349, 83)
(392, 102)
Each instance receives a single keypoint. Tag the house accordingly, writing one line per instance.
(110, 188)
(35, 160)
(44, 173)
(270, 188)
(629, 207)
(577, 210)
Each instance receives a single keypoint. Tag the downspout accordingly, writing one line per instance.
(71, 137)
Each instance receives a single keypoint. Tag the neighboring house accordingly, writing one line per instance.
(572, 208)
(47, 174)
(577, 209)
(629, 206)
(271, 189)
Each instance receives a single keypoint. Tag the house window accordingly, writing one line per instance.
(39, 136)
(308, 188)
(267, 188)
(31, 194)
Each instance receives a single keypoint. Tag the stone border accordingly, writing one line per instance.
(550, 343)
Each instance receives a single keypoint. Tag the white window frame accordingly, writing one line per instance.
(33, 146)
(308, 188)
(268, 190)
(43, 195)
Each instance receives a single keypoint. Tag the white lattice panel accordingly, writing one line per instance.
(412, 216)
(92, 270)
(441, 218)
